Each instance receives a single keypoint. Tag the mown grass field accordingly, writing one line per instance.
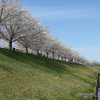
(30, 77)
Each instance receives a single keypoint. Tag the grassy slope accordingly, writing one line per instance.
(29, 77)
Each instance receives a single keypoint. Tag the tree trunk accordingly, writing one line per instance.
(10, 45)
(58, 57)
(53, 54)
(62, 58)
(47, 54)
(65, 58)
(26, 50)
(37, 52)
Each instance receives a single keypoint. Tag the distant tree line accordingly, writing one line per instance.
(19, 27)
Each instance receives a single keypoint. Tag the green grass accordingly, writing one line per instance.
(30, 77)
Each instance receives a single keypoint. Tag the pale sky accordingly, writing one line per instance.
(75, 22)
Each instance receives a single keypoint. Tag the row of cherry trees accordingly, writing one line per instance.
(20, 28)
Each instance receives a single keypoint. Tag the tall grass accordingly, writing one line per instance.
(30, 77)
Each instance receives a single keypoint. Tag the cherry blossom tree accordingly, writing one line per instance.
(19, 25)
(29, 33)
(53, 45)
(16, 26)
(8, 9)
(39, 38)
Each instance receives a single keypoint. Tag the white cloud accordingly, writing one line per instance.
(57, 13)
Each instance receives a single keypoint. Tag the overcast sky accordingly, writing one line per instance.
(75, 22)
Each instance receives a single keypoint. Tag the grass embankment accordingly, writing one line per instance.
(29, 77)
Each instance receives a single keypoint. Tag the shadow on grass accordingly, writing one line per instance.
(6, 68)
(35, 61)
